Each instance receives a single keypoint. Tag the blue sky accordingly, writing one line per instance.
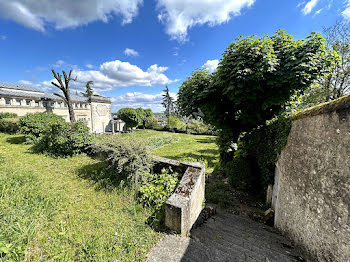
(131, 49)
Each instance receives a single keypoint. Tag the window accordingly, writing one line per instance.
(7, 101)
(17, 102)
(28, 102)
(36, 103)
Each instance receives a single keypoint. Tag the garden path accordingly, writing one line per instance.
(226, 237)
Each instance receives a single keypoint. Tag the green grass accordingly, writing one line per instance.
(183, 146)
(59, 209)
(49, 212)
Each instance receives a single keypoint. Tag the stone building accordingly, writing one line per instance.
(94, 110)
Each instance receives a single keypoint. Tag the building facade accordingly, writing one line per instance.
(95, 110)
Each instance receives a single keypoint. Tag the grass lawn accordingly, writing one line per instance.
(196, 147)
(49, 212)
(52, 209)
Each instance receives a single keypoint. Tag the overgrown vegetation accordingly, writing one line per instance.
(34, 125)
(50, 210)
(253, 165)
(9, 125)
(128, 157)
(7, 115)
(64, 139)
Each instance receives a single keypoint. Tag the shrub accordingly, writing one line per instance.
(129, 116)
(65, 139)
(127, 156)
(9, 125)
(7, 115)
(253, 165)
(34, 125)
(175, 122)
(155, 189)
(156, 142)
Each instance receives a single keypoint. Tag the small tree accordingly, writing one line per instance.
(64, 87)
(129, 116)
(254, 82)
(168, 103)
(140, 115)
(88, 92)
(148, 117)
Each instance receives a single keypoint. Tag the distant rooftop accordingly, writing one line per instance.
(19, 87)
(18, 93)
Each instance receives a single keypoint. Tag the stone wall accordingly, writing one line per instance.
(312, 183)
(101, 114)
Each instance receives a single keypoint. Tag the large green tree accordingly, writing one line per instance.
(254, 81)
(129, 116)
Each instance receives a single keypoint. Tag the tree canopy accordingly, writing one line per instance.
(88, 91)
(129, 116)
(254, 81)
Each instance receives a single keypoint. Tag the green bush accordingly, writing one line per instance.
(9, 125)
(34, 125)
(128, 156)
(7, 115)
(175, 122)
(65, 139)
(155, 189)
(129, 116)
(253, 165)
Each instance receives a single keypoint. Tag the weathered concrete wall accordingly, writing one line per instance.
(185, 204)
(312, 182)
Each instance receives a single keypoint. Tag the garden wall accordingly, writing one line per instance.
(312, 183)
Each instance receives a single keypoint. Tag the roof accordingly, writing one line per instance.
(19, 87)
(41, 96)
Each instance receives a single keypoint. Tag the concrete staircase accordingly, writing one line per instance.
(226, 237)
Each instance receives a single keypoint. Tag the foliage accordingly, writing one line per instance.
(7, 115)
(50, 209)
(64, 139)
(155, 189)
(144, 116)
(156, 142)
(254, 81)
(9, 125)
(337, 83)
(184, 146)
(34, 125)
(129, 116)
(174, 122)
(128, 156)
(88, 91)
(168, 103)
(253, 165)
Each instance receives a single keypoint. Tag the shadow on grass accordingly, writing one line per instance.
(206, 140)
(16, 140)
(100, 175)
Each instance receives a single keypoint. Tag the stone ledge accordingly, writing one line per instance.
(339, 104)
(185, 204)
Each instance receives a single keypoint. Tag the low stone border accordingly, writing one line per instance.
(185, 204)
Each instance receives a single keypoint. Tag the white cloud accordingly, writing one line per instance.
(180, 15)
(38, 14)
(3, 37)
(318, 11)
(130, 52)
(346, 12)
(211, 65)
(116, 74)
(90, 66)
(59, 63)
(309, 7)
(138, 99)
